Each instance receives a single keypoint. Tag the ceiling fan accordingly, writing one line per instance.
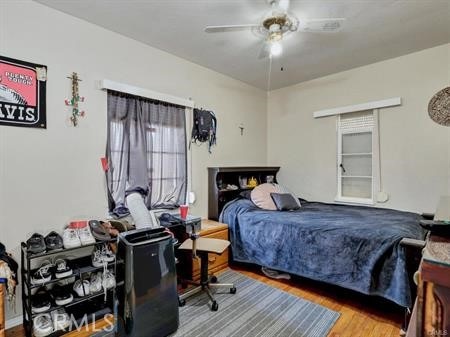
(277, 23)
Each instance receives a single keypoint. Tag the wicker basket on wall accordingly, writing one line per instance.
(439, 107)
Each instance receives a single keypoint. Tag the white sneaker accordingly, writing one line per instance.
(42, 325)
(71, 238)
(102, 256)
(81, 288)
(86, 236)
(109, 280)
(61, 320)
(108, 255)
(96, 283)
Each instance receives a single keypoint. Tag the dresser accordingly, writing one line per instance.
(431, 314)
(216, 230)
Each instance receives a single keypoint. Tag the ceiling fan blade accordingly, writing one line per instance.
(229, 28)
(322, 25)
(265, 51)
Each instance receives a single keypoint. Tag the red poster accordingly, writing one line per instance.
(22, 93)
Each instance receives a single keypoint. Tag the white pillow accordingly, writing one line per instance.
(260, 196)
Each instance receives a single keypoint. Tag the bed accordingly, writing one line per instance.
(354, 247)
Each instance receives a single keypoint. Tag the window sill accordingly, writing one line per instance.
(358, 201)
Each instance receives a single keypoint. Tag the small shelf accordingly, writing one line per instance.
(361, 177)
(77, 271)
(77, 300)
(62, 250)
(220, 177)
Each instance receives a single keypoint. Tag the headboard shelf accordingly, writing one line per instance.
(225, 184)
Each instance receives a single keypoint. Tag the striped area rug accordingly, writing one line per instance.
(256, 310)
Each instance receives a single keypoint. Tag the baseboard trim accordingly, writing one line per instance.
(12, 322)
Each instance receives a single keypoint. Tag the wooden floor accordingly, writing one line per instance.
(361, 316)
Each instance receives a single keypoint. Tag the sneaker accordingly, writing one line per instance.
(81, 288)
(42, 274)
(61, 320)
(53, 241)
(70, 238)
(61, 295)
(62, 268)
(101, 256)
(85, 236)
(40, 301)
(109, 280)
(42, 325)
(36, 244)
(96, 284)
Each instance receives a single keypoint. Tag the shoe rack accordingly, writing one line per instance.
(94, 305)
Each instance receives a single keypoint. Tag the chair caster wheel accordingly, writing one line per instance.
(233, 290)
(213, 279)
(181, 303)
(214, 306)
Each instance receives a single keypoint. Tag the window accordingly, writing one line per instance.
(357, 157)
(146, 152)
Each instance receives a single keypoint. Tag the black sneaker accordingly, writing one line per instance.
(53, 241)
(43, 274)
(40, 301)
(36, 244)
(62, 268)
(62, 294)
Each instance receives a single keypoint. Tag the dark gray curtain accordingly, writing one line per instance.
(146, 151)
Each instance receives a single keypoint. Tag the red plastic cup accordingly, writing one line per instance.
(184, 211)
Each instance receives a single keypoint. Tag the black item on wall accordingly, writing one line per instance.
(149, 303)
(220, 179)
(204, 127)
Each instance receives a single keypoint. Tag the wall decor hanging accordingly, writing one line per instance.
(76, 98)
(439, 107)
(22, 93)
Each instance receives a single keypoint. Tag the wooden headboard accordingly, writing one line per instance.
(221, 179)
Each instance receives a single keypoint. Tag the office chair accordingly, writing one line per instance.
(202, 247)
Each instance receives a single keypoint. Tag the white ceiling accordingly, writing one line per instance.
(375, 30)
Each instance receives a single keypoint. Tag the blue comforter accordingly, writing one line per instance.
(350, 246)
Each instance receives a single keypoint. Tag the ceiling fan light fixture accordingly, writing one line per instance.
(275, 48)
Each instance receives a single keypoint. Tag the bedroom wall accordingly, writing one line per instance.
(415, 151)
(48, 177)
